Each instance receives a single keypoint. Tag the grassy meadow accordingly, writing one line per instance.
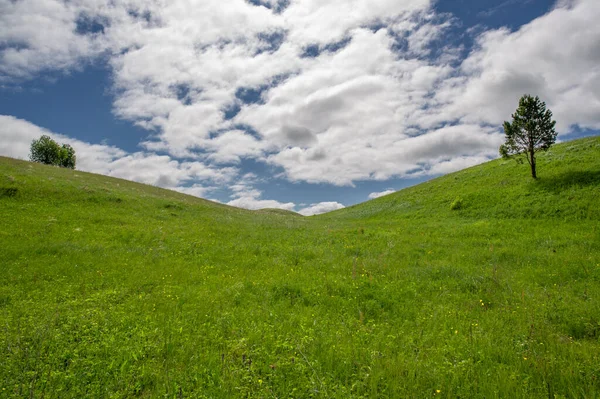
(480, 284)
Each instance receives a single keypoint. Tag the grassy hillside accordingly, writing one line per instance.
(114, 289)
(278, 211)
(567, 189)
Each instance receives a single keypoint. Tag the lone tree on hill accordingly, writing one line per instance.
(532, 130)
(49, 152)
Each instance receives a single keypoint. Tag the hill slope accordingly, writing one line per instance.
(114, 289)
(567, 188)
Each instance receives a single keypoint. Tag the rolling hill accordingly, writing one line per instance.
(481, 283)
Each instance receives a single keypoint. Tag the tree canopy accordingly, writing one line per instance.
(532, 130)
(47, 151)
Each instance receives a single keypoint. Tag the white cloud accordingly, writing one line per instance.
(455, 164)
(381, 194)
(363, 159)
(555, 56)
(232, 146)
(248, 197)
(351, 113)
(315, 21)
(43, 34)
(245, 195)
(321, 207)
(255, 202)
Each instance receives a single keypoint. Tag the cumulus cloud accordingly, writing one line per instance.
(245, 195)
(554, 56)
(381, 194)
(250, 198)
(321, 207)
(251, 201)
(43, 35)
(387, 157)
(331, 92)
(314, 21)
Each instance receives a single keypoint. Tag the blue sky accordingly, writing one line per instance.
(300, 105)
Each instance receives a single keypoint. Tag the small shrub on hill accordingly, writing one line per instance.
(456, 204)
(8, 191)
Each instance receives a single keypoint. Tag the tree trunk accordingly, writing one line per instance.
(532, 163)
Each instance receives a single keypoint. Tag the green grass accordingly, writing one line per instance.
(278, 211)
(113, 289)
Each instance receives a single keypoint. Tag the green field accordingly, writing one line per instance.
(113, 289)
